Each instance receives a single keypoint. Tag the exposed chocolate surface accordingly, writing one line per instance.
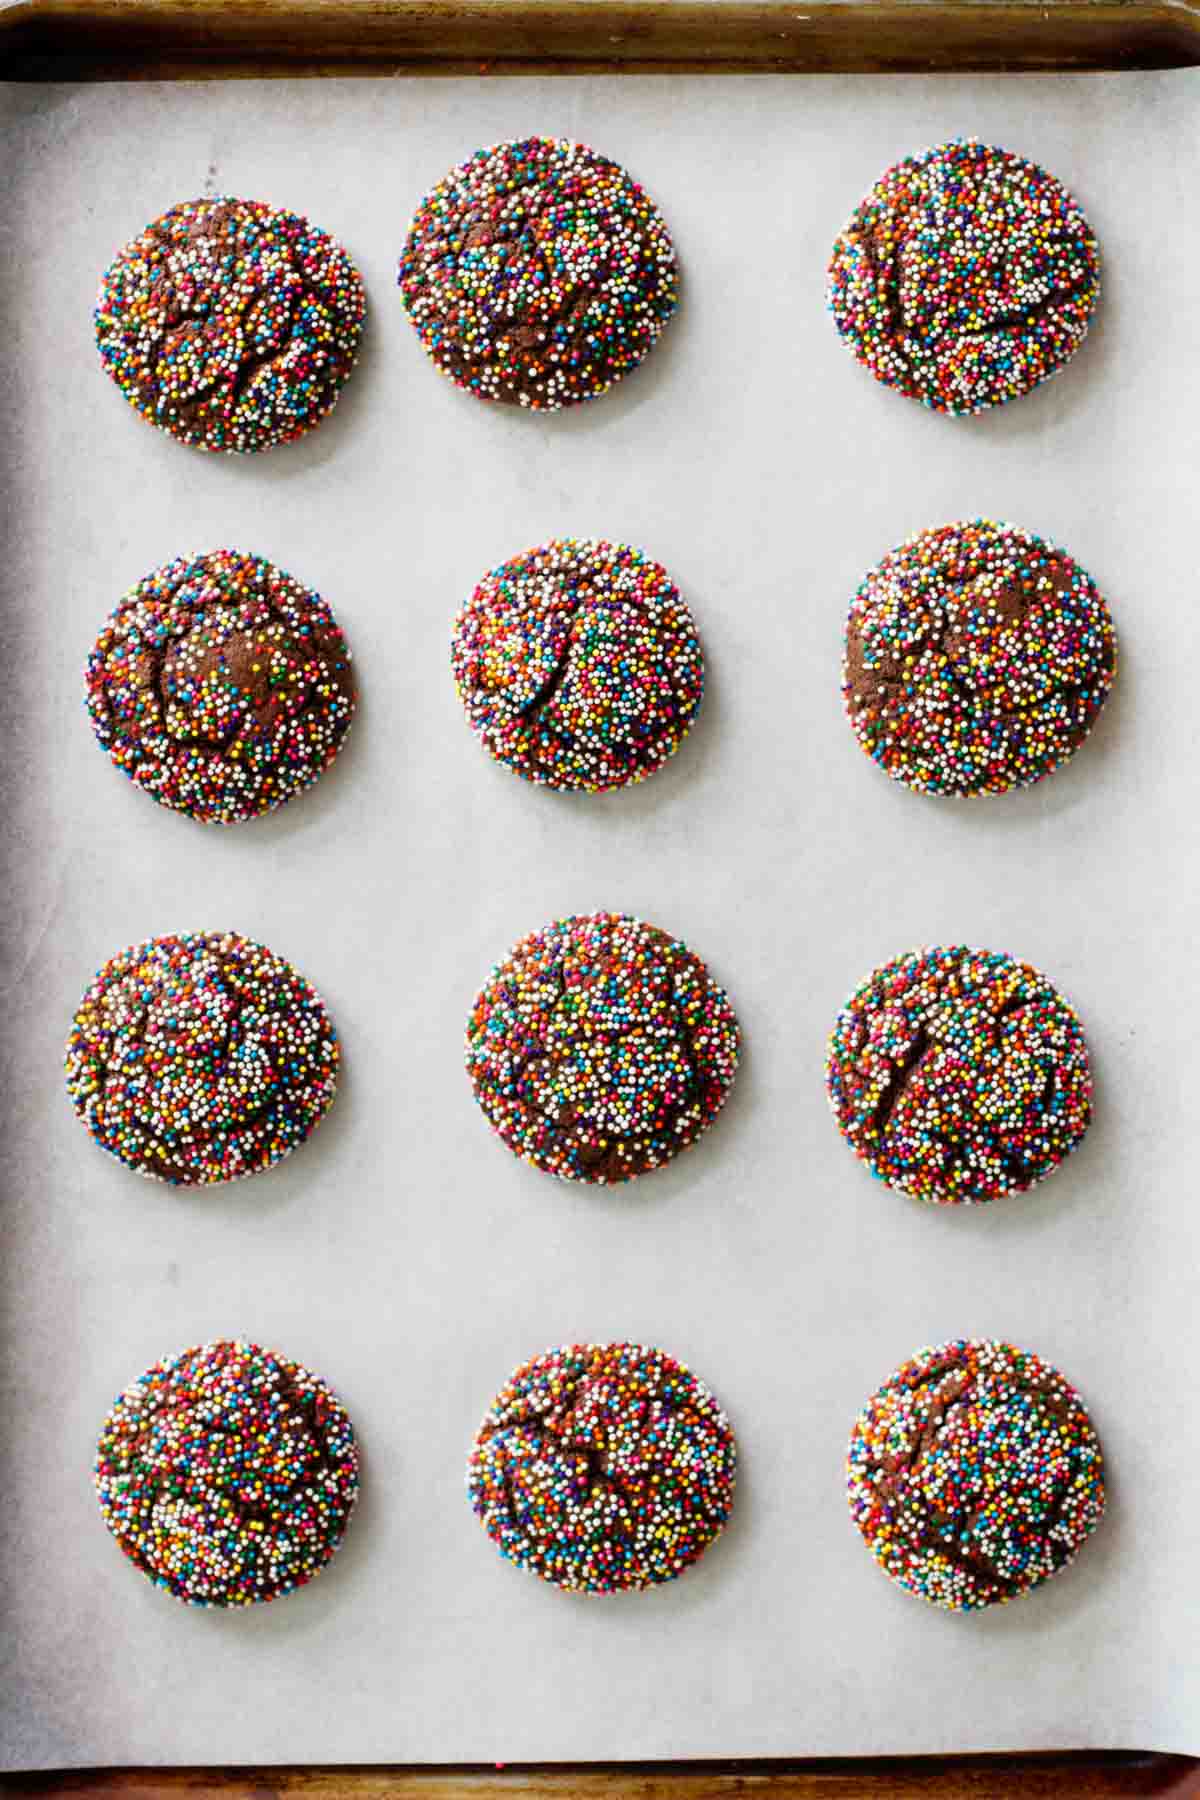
(974, 1474)
(600, 1048)
(231, 324)
(978, 657)
(537, 273)
(959, 1075)
(200, 1058)
(221, 686)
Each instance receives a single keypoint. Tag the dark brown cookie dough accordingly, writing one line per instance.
(221, 686)
(200, 1058)
(967, 276)
(978, 657)
(600, 1048)
(579, 665)
(603, 1468)
(230, 324)
(959, 1075)
(227, 1474)
(974, 1474)
(538, 273)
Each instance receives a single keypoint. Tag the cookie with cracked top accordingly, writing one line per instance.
(965, 278)
(974, 1474)
(231, 324)
(538, 273)
(221, 686)
(959, 1075)
(227, 1474)
(578, 665)
(977, 659)
(603, 1468)
(600, 1048)
(200, 1058)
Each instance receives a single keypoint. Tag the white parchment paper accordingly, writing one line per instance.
(404, 1253)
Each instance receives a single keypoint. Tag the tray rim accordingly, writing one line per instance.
(170, 39)
(1043, 1775)
(106, 40)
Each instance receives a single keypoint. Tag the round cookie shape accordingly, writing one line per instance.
(600, 1048)
(977, 659)
(974, 1474)
(200, 1058)
(230, 324)
(578, 665)
(966, 277)
(221, 686)
(537, 273)
(227, 1474)
(603, 1468)
(959, 1075)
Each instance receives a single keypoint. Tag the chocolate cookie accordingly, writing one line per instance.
(974, 1474)
(578, 665)
(221, 686)
(538, 273)
(977, 659)
(600, 1048)
(966, 277)
(603, 1467)
(227, 1474)
(200, 1058)
(230, 324)
(959, 1075)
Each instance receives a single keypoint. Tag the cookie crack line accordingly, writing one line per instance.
(600, 1478)
(1000, 322)
(920, 1047)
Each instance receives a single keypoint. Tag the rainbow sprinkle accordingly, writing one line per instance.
(578, 665)
(600, 1048)
(977, 659)
(200, 1058)
(966, 277)
(603, 1468)
(974, 1474)
(538, 273)
(227, 1474)
(230, 324)
(221, 686)
(959, 1075)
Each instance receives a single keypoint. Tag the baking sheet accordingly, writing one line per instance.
(404, 1253)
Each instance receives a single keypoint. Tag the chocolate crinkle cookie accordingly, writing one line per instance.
(230, 324)
(227, 1474)
(978, 657)
(600, 1048)
(538, 273)
(974, 1474)
(959, 1075)
(579, 665)
(221, 686)
(200, 1058)
(966, 277)
(603, 1468)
